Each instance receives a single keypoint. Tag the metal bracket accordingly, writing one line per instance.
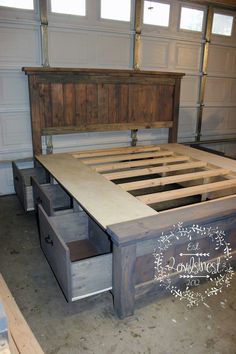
(134, 137)
(49, 144)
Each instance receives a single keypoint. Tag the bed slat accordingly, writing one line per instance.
(173, 179)
(150, 162)
(186, 192)
(154, 170)
(114, 151)
(134, 156)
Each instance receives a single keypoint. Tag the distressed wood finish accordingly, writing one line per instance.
(79, 253)
(81, 100)
(136, 241)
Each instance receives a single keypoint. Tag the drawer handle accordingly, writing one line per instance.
(48, 240)
(16, 178)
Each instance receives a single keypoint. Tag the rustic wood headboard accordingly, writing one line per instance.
(67, 100)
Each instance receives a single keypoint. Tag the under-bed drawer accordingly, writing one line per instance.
(82, 267)
(51, 196)
(22, 173)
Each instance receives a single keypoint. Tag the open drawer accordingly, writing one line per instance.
(52, 197)
(22, 173)
(78, 251)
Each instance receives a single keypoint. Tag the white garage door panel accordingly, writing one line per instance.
(222, 61)
(189, 90)
(19, 46)
(187, 57)
(15, 129)
(13, 90)
(6, 179)
(155, 53)
(219, 121)
(88, 49)
(113, 51)
(187, 123)
(220, 91)
(68, 48)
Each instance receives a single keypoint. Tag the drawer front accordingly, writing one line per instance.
(40, 197)
(91, 276)
(19, 185)
(56, 252)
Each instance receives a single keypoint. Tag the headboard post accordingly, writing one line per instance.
(67, 100)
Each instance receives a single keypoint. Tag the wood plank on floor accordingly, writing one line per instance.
(186, 192)
(162, 181)
(22, 336)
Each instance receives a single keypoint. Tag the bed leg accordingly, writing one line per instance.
(124, 258)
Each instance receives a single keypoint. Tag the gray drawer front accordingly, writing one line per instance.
(56, 252)
(22, 183)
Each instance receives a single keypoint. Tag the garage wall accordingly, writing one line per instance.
(93, 42)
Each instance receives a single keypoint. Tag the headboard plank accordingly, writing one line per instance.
(80, 100)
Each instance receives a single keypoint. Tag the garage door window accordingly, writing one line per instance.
(19, 4)
(118, 10)
(191, 19)
(156, 13)
(222, 24)
(69, 7)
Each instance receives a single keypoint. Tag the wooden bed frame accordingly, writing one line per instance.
(125, 190)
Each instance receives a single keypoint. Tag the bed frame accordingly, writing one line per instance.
(125, 190)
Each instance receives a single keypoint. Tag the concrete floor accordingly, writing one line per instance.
(165, 326)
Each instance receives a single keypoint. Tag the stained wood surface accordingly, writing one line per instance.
(24, 342)
(81, 100)
(102, 199)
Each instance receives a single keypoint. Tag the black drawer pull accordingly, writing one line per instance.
(48, 240)
(16, 178)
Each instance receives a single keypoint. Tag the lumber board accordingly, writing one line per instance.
(154, 170)
(102, 199)
(81, 128)
(114, 151)
(210, 158)
(154, 182)
(20, 331)
(148, 162)
(126, 157)
(186, 192)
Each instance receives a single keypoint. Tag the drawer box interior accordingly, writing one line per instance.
(78, 251)
(52, 197)
(22, 173)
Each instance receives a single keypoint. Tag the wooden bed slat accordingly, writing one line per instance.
(186, 192)
(114, 151)
(173, 179)
(150, 162)
(154, 170)
(134, 156)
